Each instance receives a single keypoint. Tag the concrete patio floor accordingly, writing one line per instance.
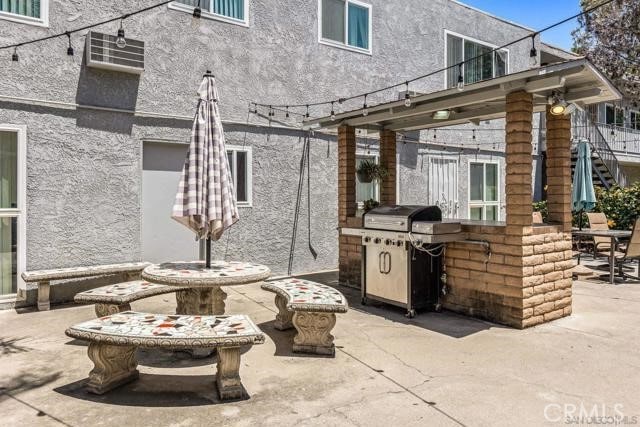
(436, 369)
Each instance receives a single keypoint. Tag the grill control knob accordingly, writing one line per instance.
(388, 242)
(367, 239)
(377, 240)
(399, 243)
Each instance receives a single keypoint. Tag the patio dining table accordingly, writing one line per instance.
(611, 234)
(202, 293)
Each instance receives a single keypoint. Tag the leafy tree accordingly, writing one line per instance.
(610, 38)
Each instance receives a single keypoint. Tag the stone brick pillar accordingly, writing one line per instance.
(388, 159)
(559, 170)
(519, 162)
(349, 246)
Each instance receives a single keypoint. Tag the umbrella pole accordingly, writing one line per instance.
(207, 255)
(580, 219)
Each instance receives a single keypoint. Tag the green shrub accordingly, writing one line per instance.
(620, 205)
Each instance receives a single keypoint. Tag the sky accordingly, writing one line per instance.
(536, 14)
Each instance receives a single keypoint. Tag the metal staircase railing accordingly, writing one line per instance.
(584, 127)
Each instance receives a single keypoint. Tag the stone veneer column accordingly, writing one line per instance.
(559, 170)
(519, 162)
(349, 246)
(523, 278)
(388, 159)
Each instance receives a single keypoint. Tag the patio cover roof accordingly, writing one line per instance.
(579, 80)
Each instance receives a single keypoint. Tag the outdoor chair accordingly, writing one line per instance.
(632, 251)
(598, 221)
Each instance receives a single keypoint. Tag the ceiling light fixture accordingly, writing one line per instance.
(441, 115)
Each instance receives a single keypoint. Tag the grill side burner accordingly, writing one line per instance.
(396, 269)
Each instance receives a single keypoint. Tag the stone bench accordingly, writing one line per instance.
(44, 277)
(112, 299)
(113, 341)
(309, 307)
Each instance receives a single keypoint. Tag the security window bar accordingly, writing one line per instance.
(483, 192)
(482, 63)
(346, 22)
(229, 9)
(240, 164)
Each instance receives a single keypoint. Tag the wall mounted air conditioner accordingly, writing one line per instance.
(102, 52)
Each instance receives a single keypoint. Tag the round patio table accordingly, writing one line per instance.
(202, 294)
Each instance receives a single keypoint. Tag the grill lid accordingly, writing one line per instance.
(400, 217)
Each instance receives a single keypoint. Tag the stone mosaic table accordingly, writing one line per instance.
(202, 293)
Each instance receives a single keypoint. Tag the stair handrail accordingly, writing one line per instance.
(584, 127)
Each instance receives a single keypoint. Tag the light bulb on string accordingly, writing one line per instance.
(287, 113)
(407, 96)
(307, 114)
(460, 84)
(365, 110)
(197, 11)
(333, 113)
(121, 42)
(533, 53)
(69, 47)
(14, 56)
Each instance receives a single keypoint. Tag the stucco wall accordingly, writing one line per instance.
(83, 189)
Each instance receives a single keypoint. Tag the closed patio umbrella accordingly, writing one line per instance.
(205, 201)
(583, 197)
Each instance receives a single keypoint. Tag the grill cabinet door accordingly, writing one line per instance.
(386, 268)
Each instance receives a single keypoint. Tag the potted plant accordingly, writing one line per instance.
(369, 171)
(370, 204)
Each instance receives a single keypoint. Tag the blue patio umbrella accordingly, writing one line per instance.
(583, 196)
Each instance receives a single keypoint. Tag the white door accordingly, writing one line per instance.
(163, 239)
(443, 185)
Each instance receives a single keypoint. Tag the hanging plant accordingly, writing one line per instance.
(370, 204)
(369, 171)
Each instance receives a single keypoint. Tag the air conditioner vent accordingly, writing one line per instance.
(102, 52)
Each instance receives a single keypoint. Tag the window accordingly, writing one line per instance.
(34, 12)
(634, 120)
(12, 219)
(365, 190)
(241, 172)
(233, 11)
(345, 23)
(483, 192)
(487, 65)
(614, 115)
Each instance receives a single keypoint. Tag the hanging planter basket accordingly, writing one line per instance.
(365, 177)
(369, 171)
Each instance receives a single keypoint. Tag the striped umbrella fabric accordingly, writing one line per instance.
(206, 201)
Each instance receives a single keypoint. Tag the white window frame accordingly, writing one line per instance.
(616, 108)
(484, 204)
(632, 123)
(43, 21)
(345, 44)
(248, 178)
(21, 211)
(209, 14)
(473, 40)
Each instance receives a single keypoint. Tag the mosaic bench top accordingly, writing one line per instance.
(123, 293)
(304, 295)
(169, 331)
(193, 274)
(78, 272)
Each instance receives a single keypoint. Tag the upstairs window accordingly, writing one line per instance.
(486, 65)
(614, 115)
(27, 11)
(234, 11)
(634, 119)
(346, 23)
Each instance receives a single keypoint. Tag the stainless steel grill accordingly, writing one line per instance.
(402, 255)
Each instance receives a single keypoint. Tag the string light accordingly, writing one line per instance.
(69, 48)
(14, 56)
(473, 136)
(460, 84)
(365, 110)
(121, 42)
(287, 114)
(307, 115)
(333, 113)
(197, 12)
(407, 96)
(533, 53)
